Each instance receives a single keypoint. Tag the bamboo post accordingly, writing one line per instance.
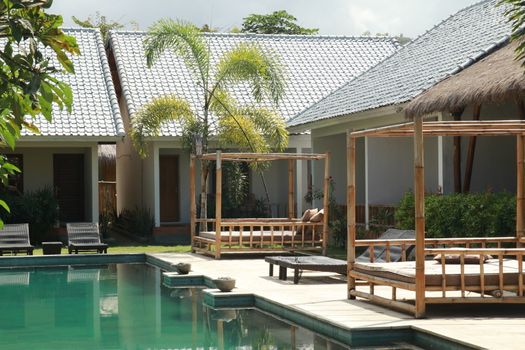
(193, 207)
(470, 153)
(350, 210)
(218, 205)
(291, 189)
(520, 195)
(457, 155)
(326, 199)
(419, 199)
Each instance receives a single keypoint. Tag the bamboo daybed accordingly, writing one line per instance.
(219, 236)
(497, 280)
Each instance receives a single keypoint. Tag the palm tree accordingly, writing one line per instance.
(219, 115)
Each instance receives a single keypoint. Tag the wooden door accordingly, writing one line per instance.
(169, 188)
(68, 178)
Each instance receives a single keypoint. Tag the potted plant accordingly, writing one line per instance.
(224, 284)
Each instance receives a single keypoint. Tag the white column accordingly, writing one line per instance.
(156, 184)
(94, 183)
(300, 167)
(367, 209)
(440, 159)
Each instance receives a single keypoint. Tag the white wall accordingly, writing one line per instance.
(38, 168)
(128, 170)
(391, 168)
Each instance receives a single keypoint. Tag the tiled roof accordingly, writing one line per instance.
(95, 111)
(447, 48)
(313, 66)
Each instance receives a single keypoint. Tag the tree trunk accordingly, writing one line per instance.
(470, 154)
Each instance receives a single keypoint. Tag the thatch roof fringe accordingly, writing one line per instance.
(495, 78)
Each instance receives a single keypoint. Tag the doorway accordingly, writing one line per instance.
(169, 188)
(69, 186)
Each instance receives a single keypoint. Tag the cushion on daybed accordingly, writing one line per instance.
(318, 217)
(308, 213)
(469, 258)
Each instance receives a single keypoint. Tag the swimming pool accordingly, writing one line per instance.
(124, 306)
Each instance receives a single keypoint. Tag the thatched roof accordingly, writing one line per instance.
(495, 78)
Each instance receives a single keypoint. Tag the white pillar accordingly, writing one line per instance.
(300, 167)
(367, 209)
(156, 184)
(94, 183)
(440, 159)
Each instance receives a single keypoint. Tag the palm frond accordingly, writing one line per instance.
(149, 119)
(187, 42)
(247, 63)
(270, 125)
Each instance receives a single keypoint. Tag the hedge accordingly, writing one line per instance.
(485, 214)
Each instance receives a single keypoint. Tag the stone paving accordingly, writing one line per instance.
(324, 294)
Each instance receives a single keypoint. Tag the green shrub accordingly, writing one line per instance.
(38, 208)
(462, 214)
(138, 222)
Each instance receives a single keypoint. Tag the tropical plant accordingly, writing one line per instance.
(277, 22)
(102, 23)
(515, 13)
(28, 86)
(219, 115)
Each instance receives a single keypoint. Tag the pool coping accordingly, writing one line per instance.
(238, 299)
(355, 336)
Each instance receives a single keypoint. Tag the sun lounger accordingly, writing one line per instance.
(14, 238)
(395, 251)
(84, 236)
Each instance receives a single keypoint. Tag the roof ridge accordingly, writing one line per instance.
(288, 36)
(397, 52)
(119, 126)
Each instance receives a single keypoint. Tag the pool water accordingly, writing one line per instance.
(124, 306)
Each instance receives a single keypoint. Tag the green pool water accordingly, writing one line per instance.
(124, 306)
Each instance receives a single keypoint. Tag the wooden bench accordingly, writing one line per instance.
(14, 238)
(299, 263)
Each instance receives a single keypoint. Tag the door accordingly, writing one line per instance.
(169, 188)
(68, 179)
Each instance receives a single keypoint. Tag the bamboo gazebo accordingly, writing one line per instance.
(218, 236)
(497, 280)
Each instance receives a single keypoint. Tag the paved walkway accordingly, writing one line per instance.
(324, 294)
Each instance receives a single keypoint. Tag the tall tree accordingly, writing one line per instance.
(515, 13)
(28, 86)
(219, 115)
(277, 22)
(102, 23)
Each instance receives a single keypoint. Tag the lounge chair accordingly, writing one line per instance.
(84, 236)
(380, 254)
(14, 238)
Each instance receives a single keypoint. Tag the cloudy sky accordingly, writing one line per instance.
(332, 17)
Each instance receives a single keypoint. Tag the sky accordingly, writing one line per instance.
(333, 17)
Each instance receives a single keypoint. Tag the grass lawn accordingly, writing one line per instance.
(137, 249)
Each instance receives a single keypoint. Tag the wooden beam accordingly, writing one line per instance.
(470, 153)
(291, 189)
(193, 205)
(326, 201)
(256, 157)
(218, 204)
(419, 199)
(350, 210)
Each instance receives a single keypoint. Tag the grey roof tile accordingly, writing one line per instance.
(314, 66)
(95, 111)
(445, 49)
